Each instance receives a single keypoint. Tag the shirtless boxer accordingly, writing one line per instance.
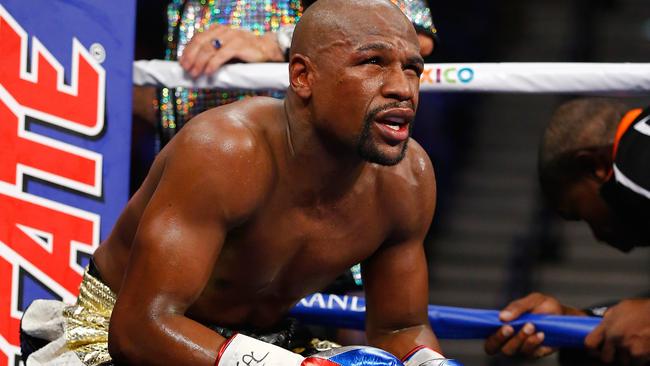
(259, 203)
(593, 167)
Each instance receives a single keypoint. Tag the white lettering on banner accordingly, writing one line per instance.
(356, 306)
(39, 236)
(308, 302)
(318, 300)
(341, 302)
(42, 92)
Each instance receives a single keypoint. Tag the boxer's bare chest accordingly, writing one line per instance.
(290, 249)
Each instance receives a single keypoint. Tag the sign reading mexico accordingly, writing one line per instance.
(447, 74)
(42, 241)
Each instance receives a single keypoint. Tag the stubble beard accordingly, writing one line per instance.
(368, 149)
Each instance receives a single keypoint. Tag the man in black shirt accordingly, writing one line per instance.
(594, 165)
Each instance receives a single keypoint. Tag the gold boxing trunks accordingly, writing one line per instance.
(86, 325)
(78, 334)
(55, 333)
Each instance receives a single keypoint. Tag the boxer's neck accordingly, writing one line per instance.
(316, 162)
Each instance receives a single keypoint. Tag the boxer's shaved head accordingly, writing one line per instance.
(330, 22)
(354, 70)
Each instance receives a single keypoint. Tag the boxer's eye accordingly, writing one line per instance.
(415, 68)
(372, 60)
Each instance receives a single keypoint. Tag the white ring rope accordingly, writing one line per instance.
(624, 79)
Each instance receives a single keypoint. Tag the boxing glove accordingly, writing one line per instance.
(424, 356)
(353, 356)
(241, 350)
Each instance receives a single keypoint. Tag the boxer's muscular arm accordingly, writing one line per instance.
(395, 277)
(203, 189)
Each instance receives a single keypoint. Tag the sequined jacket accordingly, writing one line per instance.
(187, 17)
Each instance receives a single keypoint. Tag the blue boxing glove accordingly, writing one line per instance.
(353, 356)
(424, 356)
(243, 350)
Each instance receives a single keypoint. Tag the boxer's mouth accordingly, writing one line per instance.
(394, 123)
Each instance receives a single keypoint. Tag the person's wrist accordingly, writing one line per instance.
(270, 47)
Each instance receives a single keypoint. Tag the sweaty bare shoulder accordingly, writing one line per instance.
(421, 168)
(408, 190)
(226, 156)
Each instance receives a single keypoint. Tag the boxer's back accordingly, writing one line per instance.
(292, 237)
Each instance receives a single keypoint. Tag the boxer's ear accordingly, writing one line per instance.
(301, 75)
